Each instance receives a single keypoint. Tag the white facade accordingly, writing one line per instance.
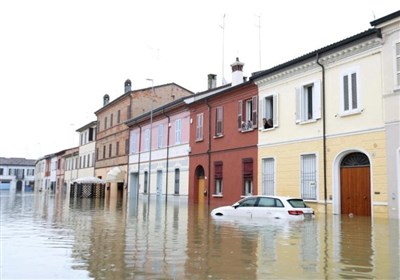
(87, 148)
(17, 175)
(169, 162)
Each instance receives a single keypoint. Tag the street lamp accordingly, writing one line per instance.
(151, 134)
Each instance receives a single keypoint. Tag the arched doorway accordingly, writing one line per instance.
(355, 185)
(200, 184)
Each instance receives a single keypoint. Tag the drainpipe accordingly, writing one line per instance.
(140, 148)
(209, 153)
(167, 164)
(323, 128)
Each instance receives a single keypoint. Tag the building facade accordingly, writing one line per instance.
(112, 141)
(159, 151)
(335, 114)
(17, 175)
(223, 142)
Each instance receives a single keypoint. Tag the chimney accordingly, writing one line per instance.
(128, 85)
(212, 81)
(106, 99)
(237, 72)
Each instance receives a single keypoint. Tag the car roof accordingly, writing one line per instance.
(275, 196)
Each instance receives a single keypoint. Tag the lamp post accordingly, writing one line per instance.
(151, 134)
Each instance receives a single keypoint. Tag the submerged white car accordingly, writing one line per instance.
(262, 206)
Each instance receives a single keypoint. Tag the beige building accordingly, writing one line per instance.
(335, 139)
(87, 148)
(112, 140)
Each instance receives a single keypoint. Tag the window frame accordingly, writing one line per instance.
(397, 65)
(147, 140)
(266, 112)
(313, 195)
(199, 127)
(219, 121)
(160, 136)
(247, 111)
(218, 178)
(348, 73)
(178, 131)
(304, 105)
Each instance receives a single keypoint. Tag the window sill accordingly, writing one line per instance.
(350, 113)
(218, 136)
(199, 140)
(267, 129)
(246, 130)
(307, 121)
(217, 195)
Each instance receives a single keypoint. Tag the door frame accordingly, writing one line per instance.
(336, 187)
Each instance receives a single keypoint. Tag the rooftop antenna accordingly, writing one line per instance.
(259, 41)
(223, 49)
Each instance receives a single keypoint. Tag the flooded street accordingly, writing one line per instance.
(50, 237)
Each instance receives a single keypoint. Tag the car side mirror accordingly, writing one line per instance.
(236, 205)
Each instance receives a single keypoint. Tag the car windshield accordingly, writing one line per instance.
(297, 203)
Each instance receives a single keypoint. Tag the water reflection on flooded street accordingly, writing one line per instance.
(50, 237)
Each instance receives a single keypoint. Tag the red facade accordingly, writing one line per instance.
(223, 158)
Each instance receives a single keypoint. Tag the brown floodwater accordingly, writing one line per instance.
(50, 237)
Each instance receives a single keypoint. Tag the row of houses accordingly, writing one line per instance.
(324, 126)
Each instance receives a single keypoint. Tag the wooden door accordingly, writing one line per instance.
(202, 188)
(355, 191)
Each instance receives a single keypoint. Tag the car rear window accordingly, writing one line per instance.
(297, 203)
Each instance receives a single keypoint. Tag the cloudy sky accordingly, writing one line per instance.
(59, 57)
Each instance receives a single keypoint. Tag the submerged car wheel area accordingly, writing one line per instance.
(261, 206)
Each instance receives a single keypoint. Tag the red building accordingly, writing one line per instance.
(223, 142)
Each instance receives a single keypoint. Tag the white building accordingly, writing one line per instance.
(17, 174)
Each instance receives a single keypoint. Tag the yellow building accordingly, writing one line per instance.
(335, 135)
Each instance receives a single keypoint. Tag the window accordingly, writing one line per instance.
(110, 150)
(126, 146)
(309, 177)
(105, 123)
(147, 139)
(178, 131)
(1, 171)
(350, 93)
(268, 176)
(218, 177)
(119, 116)
(117, 149)
(218, 121)
(308, 102)
(93, 157)
(146, 179)
(177, 181)
(133, 142)
(398, 64)
(111, 120)
(270, 110)
(91, 134)
(88, 161)
(247, 176)
(104, 151)
(98, 126)
(160, 136)
(247, 114)
(199, 127)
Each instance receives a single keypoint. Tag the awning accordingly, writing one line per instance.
(89, 180)
(115, 175)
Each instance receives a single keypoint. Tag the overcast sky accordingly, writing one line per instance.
(58, 58)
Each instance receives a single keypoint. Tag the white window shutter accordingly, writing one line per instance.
(254, 112)
(240, 108)
(275, 110)
(261, 112)
(298, 105)
(317, 100)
